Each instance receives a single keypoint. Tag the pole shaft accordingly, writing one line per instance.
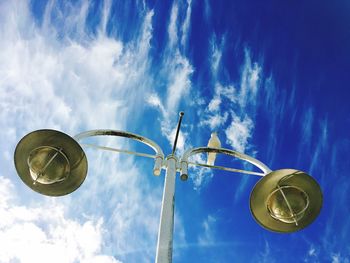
(166, 226)
(177, 130)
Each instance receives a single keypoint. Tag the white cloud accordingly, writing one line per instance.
(59, 80)
(105, 16)
(312, 254)
(154, 101)
(200, 176)
(321, 148)
(207, 237)
(175, 31)
(215, 121)
(186, 24)
(214, 104)
(172, 28)
(228, 92)
(266, 255)
(216, 54)
(307, 126)
(45, 234)
(250, 81)
(168, 128)
(61, 77)
(306, 130)
(207, 10)
(239, 132)
(214, 116)
(177, 65)
(242, 99)
(129, 205)
(177, 72)
(335, 258)
(179, 81)
(216, 59)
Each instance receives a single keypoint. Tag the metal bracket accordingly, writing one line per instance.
(159, 156)
(184, 161)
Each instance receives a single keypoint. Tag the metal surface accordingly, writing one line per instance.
(50, 162)
(287, 204)
(286, 201)
(166, 226)
(241, 156)
(118, 150)
(125, 134)
(48, 165)
(177, 131)
(226, 169)
(159, 153)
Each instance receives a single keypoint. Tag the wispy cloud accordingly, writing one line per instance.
(176, 72)
(250, 81)
(321, 146)
(237, 120)
(307, 126)
(177, 66)
(200, 176)
(239, 132)
(312, 254)
(266, 255)
(242, 99)
(104, 16)
(179, 80)
(207, 236)
(215, 121)
(179, 26)
(307, 131)
(186, 24)
(279, 106)
(207, 10)
(154, 101)
(216, 58)
(72, 23)
(172, 27)
(214, 115)
(216, 51)
(214, 104)
(60, 76)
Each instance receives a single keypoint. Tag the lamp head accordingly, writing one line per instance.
(50, 162)
(286, 200)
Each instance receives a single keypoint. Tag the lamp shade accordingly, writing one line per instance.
(286, 200)
(50, 162)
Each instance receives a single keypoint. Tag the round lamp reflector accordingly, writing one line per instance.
(286, 200)
(50, 162)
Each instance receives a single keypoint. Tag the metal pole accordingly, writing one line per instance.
(181, 114)
(166, 226)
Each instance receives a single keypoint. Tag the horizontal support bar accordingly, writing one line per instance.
(233, 153)
(226, 169)
(118, 150)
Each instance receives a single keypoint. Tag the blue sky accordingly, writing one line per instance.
(271, 77)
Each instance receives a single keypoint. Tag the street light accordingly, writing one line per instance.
(53, 163)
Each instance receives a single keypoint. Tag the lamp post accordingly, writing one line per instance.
(53, 163)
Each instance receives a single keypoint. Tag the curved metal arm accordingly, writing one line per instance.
(184, 161)
(159, 153)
